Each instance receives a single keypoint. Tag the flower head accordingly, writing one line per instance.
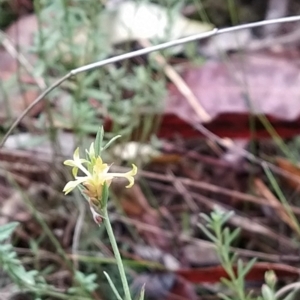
(96, 174)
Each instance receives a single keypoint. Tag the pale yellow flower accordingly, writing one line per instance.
(77, 163)
(96, 174)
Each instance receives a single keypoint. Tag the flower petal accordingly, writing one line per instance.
(71, 185)
(129, 175)
(70, 162)
(83, 169)
(99, 167)
(75, 171)
(76, 154)
(134, 170)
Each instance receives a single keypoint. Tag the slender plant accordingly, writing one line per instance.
(94, 186)
(235, 268)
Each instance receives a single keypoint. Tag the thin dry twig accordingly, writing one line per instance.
(183, 88)
(184, 192)
(10, 48)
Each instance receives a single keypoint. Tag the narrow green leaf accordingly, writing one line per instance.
(224, 297)
(111, 141)
(233, 258)
(7, 229)
(98, 141)
(98, 95)
(113, 287)
(248, 267)
(240, 267)
(226, 234)
(20, 272)
(142, 294)
(234, 234)
(205, 217)
(240, 277)
(267, 293)
(207, 233)
(227, 216)
(228, 283)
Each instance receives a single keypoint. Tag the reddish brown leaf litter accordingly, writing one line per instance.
(182, 290)
(287, 166)
(229, 91)
(257, 273)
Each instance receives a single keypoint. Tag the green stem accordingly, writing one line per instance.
(117, 254)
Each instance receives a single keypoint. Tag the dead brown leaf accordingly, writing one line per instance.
(230, 91)
(270, 84)
(22, 32)
(257, 272)
(287, 166)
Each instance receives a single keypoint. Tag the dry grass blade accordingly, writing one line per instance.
(184, 192)
(180, 84)
(278, 207)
